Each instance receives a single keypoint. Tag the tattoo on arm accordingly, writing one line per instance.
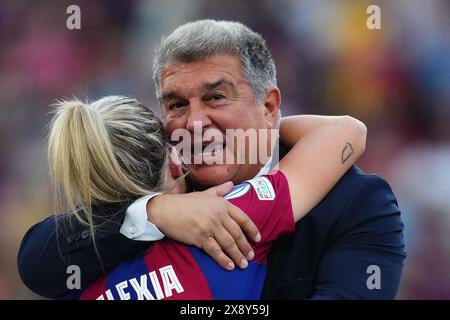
(347, 152)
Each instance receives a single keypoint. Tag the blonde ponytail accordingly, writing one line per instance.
(112, 150)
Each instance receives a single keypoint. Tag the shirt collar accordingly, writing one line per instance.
(266, 168)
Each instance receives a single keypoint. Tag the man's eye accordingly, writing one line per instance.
(176, 105)
(218, 97)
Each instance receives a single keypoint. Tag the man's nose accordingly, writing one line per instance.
(198, 117)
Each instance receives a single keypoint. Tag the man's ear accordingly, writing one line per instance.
(175, 167)
(272, 102)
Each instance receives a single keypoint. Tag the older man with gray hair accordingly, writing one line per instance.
(220, 75)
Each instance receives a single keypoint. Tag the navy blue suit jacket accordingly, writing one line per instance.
(357, 225)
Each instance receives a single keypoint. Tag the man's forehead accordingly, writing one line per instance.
(203, 72)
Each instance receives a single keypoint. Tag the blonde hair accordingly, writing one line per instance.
(108, 151)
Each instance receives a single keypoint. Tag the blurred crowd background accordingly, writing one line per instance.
(397, 80)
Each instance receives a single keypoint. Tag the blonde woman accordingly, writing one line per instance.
(115, 150)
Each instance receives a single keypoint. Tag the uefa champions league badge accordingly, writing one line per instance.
(238, 191)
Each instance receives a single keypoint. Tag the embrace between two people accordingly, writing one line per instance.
(116, 168)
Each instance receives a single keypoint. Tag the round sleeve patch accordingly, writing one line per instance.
(238, 191)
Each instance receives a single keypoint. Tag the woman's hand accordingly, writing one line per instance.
(208, 221)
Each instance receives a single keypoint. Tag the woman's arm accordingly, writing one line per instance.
(323, 149)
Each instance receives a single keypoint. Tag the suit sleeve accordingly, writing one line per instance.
(57, 242)
(366, 259)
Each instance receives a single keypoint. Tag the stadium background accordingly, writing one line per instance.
(397, 80)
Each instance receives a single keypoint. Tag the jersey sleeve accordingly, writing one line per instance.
(267, 201)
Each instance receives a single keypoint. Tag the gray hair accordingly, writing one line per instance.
(205, 38)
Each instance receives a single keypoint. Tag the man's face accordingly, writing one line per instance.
(214, 92)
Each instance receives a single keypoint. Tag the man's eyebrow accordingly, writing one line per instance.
(213, 85)
(207, 86)
(171, 95)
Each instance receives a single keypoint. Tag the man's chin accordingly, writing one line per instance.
(206, 176)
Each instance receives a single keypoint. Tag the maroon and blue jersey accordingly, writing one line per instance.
(172, 270)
